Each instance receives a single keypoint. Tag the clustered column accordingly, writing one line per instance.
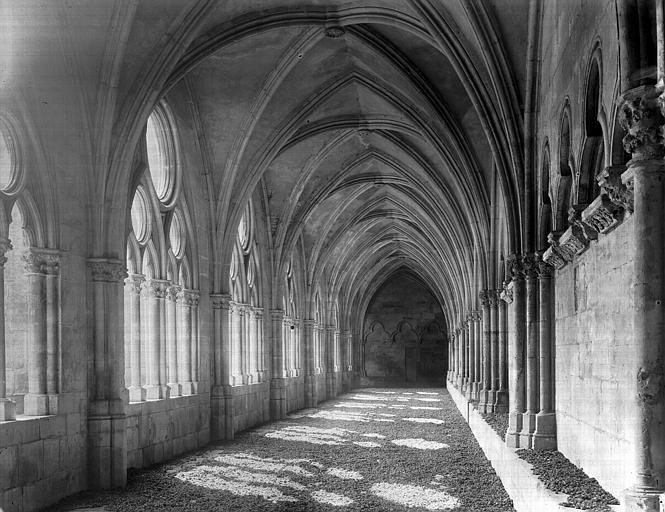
(42, 269)
(7, 406)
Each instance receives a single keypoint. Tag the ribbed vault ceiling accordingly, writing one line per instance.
(372, 134)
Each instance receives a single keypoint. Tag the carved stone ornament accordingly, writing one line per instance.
(507, 293)
(5, 247)
(220, 300)
(335, 32)
(545, 268)
(552, 257)
(172, 292)
(484, 296)
(515, 266)
(640, 115)
(609, 180)
(135, 283)
(108, 271)
(603, 214)
(575, 219)
(530, 265)
(42, 261)
(157, 288)
(650, 383)
(572, 242)
(494, 298)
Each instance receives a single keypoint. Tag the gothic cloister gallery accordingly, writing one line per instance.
(214, 213)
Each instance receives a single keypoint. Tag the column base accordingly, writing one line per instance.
(156, 392)
(501, 401)
(136, 394)
(528, 427)
(458, 382)
(36, 405)
(186, 388)
(486, 401)
(544, 435)
(195, 387)
(7, 409)
(472, 391)
(639, 499)
(174, 389)
(514, 429)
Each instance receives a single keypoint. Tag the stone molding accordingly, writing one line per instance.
(157, 288)
(42, 261)
(5, 247)
(135, 282)
(603, 214)
(172, 292)
(617, 192)
(641, 117)
(220, 300)
(107, 270)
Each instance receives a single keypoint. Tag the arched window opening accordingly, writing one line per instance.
(162, 152)
(593, 156)
(16, 304)
(545, 206)
(564, 191)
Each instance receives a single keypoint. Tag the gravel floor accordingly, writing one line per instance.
(370, 450)
(498, 421)
(560, 475)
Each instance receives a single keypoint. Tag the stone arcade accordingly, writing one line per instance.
(213, 213)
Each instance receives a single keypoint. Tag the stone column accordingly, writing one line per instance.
(642, 118)
(460, 359)
(544, 436)
(329, 358)
(253, 345)
(183, 305)
(467, 357)
(494, 346)
(107, 444)
(236, 344)
(172, 380)
(245, 315)
(311, 398)
(155, 387)
(530, 262)
(221, 402)
(478, 340)
(259, 367)
(278, 380)
(486, 396)
(516, 341)
(455, 343)
(136, 390)
(7, 406)
(194, 339)
(501, 401)
(42, 332)
(472, 388)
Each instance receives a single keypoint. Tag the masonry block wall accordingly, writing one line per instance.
(594, 347)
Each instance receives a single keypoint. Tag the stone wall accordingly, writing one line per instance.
(159, 430)
(405, 334)
(594, 347)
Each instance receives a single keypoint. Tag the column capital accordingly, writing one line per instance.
(157, 288)
(530, 264)
(107, 270)
(507, 293)
(220, 300)
(172, 292)
(276, 315)
(135, 281)
(640, 115)
(308, 323)
(545, 269)
(188, 297)
(5, 247)
(516, 269)
(42, 261)
(485, 297)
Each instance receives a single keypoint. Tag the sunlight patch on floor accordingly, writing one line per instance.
(344, 474)
(415, 496)
(425, 420)
(331, 498)
(420, 444)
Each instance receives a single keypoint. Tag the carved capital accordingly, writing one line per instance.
(507, 293)
(575, 219)
(545, 268)
(603, 214)
(157, 288)
(135, 283)
(572, 242)
(530, 264)
(188, 298)
(277, 315)
(220, 300)
(484, 296)
(619, 193)
(172, 292)
(107, 270)
(42, 261)
(5, 247)
(515, 267)
(640, 115)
